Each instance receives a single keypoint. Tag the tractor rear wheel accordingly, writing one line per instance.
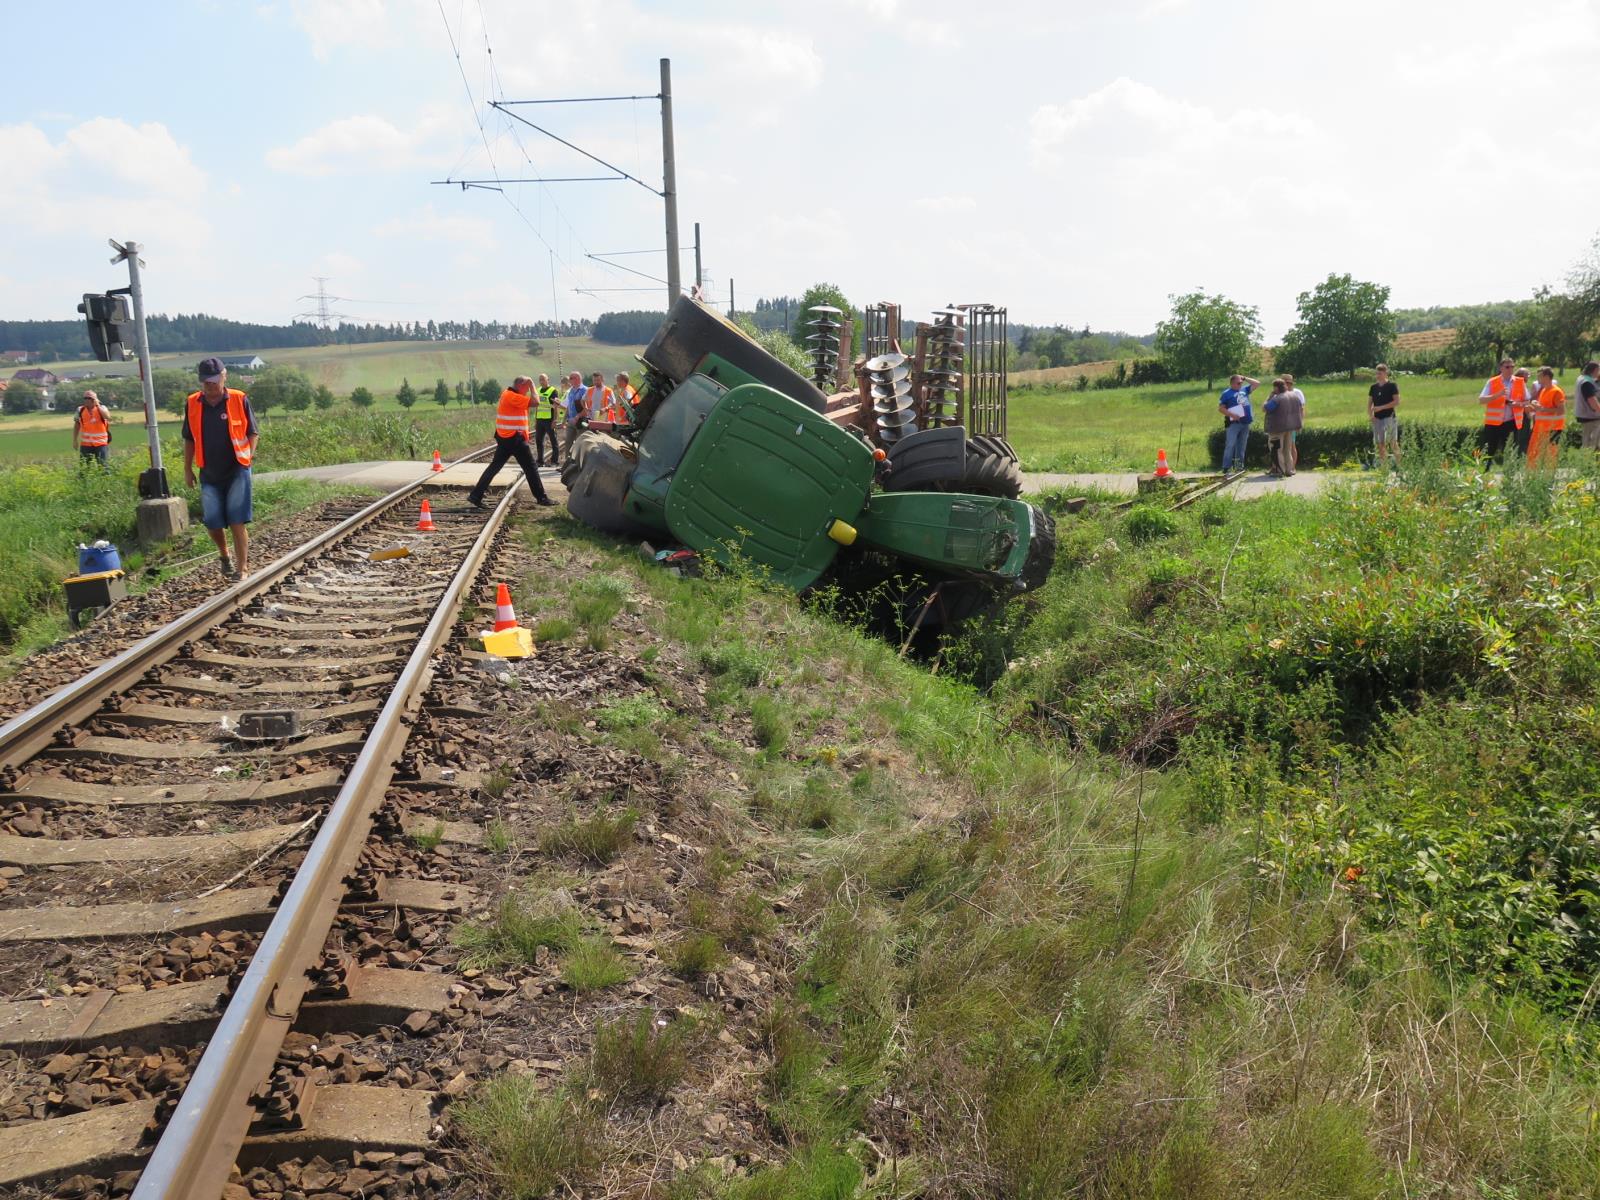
(992, 469)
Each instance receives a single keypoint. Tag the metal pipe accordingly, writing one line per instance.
(202, 1139)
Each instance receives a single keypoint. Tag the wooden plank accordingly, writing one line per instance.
(242, 908)
(48, 788)
(165, 714)
(424, 895)
(292, 662)
(185, 1012)
(271, 643)
(139, 748)
(415, 825)
(202, 685)
(399, 622)
(99, 1142)
(50, 852)
(346, 1117)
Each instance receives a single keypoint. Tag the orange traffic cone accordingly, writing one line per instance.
(1162, 470)
(425, 521)
(437, 465)
(504, 617)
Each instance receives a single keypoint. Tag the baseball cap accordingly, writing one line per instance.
(210, 369)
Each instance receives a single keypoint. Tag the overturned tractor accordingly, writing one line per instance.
(903, 475)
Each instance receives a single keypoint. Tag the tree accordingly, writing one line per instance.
(361, 397)
(22, 396)
(1344, 323)
(535, 347)
(1479, 345)
(323, 397)
(441, 393)
(489, 391)
(823, 293)
(407, 395)
(461, 392)
(172, 388)
(285, 387)
(1207, 336)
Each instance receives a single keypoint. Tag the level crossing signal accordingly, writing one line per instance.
(110, 318)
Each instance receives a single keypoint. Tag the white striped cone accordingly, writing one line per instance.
(504, 617)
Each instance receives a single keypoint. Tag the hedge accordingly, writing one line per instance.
(1334, 445)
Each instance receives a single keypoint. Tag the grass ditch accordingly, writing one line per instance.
(1063, 939)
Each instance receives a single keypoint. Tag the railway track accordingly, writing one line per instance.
(207, 897)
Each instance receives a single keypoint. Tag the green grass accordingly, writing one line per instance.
(380, 366)
(639, 1059)
(521, 925)
(525, 1142)
(594, 964)
(1160, 982)
(595, 839)
(1121, 429)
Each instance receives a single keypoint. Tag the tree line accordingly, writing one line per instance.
(199, 333)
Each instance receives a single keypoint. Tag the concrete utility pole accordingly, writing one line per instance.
(669, 186)
(161, 515)
(698, 281)
(472, 382)
(730, 297)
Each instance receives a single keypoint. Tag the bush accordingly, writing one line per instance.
(1335, 446)
(1146, 523)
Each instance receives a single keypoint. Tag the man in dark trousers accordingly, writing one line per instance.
(219, 437)
(544, 422)
(511, 441)
(91, 431)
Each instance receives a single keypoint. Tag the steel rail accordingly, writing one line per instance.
(31, 731)
(197, 1149)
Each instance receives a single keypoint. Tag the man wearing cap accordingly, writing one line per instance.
(511, 441)
(219, 437)
(91, 431)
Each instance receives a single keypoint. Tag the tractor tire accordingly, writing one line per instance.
(930, 460)
(596, 472)
(992, 469)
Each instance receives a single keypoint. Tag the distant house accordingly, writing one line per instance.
(15, 356)
(242, 362)
(38, 376)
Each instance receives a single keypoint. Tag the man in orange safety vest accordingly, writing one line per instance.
(1503, 398)
(219, 437)
(91, 431)
(1549, 420)
(511, 441)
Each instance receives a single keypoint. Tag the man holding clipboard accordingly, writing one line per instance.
(1234, 405)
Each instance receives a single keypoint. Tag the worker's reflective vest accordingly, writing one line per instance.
(238, 428)
(603, 410)
(623, 407)
(545, 409)
(1550, 409)
(1494, 412)
(512, 416)
(92, 427)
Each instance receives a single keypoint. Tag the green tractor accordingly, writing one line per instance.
(735, 455)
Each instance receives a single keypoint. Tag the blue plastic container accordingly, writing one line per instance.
(92, 561)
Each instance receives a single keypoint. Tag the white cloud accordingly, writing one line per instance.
(365, 142)
(428, 224)
(146, 156)
(946, 204)
(335, 24)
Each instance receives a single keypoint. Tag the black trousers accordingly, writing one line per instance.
(1494, 438)
(545, 427)
(515, 446)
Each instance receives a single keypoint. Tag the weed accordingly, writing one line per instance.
(594, 964)
(735, 661)
(526, 1142)
(696, 955)
(772, 723)
(631, 712)
(520, 927)
(1146, 523)
(597, 839)
(639, 1060)
(496, 781)
(428, 839)
(498, 838)
(554, 629)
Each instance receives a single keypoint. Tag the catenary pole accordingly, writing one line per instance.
(699, 280)
(669, 183)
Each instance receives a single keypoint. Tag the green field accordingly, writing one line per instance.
(380, 366)
(1122, 428)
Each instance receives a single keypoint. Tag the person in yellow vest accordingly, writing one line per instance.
(91, 431)
(1549, 413)
(511, 441)
(547, 400)
(598, 399)
(625, 399)
(219, 437)
(1503, 399)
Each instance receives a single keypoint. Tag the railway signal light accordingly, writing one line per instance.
(109, 317)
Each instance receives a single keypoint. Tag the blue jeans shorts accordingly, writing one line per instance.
(225, 504)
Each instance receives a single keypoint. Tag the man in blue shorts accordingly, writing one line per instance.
(219, 437)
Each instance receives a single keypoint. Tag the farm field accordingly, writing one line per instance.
(1122, 429)
(380, 366)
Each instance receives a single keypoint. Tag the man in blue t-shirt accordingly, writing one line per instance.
(1234, 405)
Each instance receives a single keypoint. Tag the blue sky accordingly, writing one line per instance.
(1076, 161)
